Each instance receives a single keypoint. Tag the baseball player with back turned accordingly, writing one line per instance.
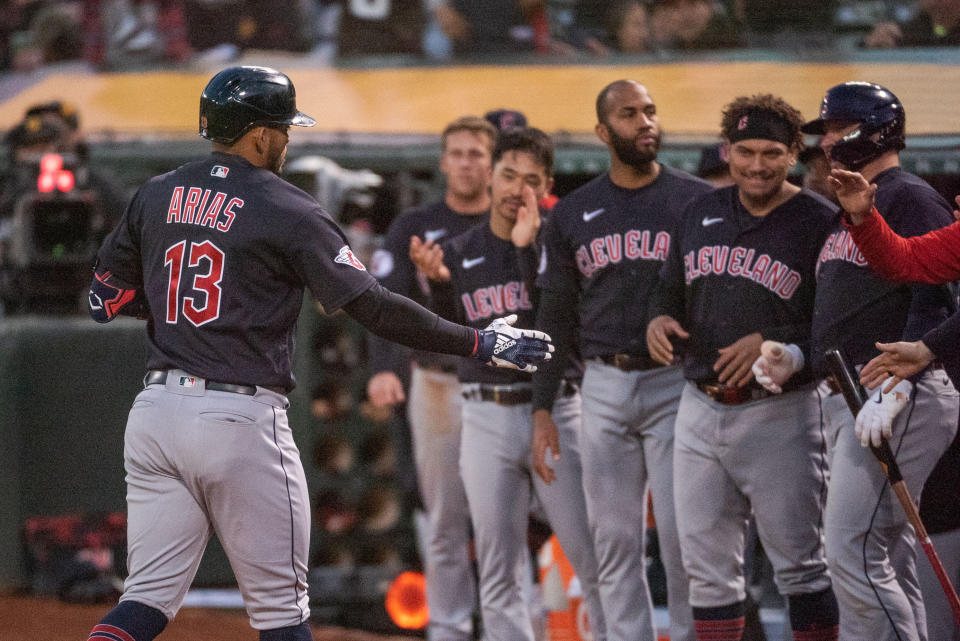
(216, 255)
(482, 273)
(604, 245)
(741, 271)
(870, 544)
(433, 407)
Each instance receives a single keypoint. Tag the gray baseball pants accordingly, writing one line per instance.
(871, 546)
(495, 462)
(627, 446)
(200, 462)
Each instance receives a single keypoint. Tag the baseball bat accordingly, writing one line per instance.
(855, 397)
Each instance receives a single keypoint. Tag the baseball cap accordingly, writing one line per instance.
(506, 118)
(711, 162)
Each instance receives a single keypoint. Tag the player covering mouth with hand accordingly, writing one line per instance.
(475, 276)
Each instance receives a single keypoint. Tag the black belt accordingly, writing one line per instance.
(499, 394)
(629, 362)
(733, 395)
(159, 377)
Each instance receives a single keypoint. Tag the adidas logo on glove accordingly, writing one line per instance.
(503, 344)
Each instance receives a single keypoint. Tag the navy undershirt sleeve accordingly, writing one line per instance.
(399, 319)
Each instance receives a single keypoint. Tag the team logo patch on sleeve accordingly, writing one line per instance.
(219, 171)
(346, 257)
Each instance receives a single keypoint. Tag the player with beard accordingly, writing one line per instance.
(603, 247)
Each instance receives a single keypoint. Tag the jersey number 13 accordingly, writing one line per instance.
(205, 286)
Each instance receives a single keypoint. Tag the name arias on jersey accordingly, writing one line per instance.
(742, 263)
(613, 248)
(197, 208)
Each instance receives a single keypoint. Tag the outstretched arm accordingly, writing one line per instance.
(399, 319)
(933, 257)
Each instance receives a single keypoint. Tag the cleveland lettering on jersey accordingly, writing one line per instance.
(840, 246)
(496, 300)
(612, 248)
(744, 263)
(193, 209)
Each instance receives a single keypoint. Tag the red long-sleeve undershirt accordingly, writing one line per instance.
(933, 257)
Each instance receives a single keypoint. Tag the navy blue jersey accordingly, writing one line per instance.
(223, 250)
(731, 274)
(391, 264)
(855, 307)
(608, 243)
(486, 282)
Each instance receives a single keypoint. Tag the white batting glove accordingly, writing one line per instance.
(505, 346)
(875, 419)
(776, 364)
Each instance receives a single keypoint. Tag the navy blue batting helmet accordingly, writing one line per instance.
(240, 98)
(881, 117)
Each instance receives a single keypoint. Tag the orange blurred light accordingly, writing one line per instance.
(65, 181)
(406, 601)
(51, 163)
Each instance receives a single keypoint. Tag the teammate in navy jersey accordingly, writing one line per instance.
(741, 271)
(433, 406)
(484, 273)
(216, 255)
(870, 544)
(603, 248)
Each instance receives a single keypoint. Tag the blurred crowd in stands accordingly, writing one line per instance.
(131, 34)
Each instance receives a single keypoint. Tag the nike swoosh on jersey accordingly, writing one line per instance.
(590, 215)
(706, 222)
(473, 262)
(433, 234)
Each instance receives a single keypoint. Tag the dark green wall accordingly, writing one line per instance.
(66, 384)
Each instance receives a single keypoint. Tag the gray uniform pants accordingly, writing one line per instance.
(433, 410)
(495, 461)
(870, 544)
(768, 455)
(200, 462)
(627, 445)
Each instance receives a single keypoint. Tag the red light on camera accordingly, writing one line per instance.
(53, 175)
(46, 183)
(65, 180)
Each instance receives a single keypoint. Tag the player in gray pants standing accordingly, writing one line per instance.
(604, 245)
(484, 272)
(433, 406)
(870, 544)
(216, 256)
(741, 270)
